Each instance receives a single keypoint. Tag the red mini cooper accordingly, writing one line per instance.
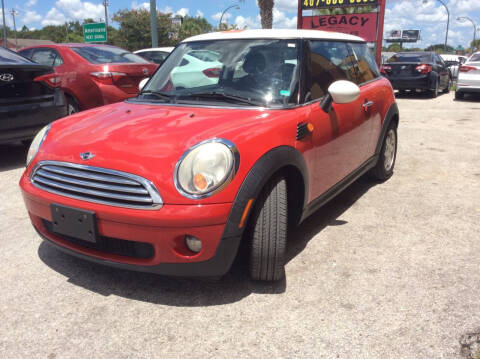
(174, 180)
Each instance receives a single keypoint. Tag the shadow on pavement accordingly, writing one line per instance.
(13, 156)
(193, 292)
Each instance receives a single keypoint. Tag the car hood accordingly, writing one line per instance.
(148, 140)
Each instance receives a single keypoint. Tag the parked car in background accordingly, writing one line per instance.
(30, 97)
(92, 75)
(418, 71)
(174, 180)
(156, 55)
(469, 77)
(453, 62)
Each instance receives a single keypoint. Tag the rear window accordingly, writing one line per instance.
(10, 57)
(475, 57)
(107, 55)
(425, 58)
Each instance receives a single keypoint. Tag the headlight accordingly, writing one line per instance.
(206, 168)
(36, 143)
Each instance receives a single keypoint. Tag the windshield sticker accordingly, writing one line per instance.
(292, 44)
(284, 93)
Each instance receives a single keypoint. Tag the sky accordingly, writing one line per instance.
(430, 17)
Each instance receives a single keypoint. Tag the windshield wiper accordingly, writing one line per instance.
(160, 94)
(223, 96)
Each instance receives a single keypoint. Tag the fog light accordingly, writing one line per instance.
(193, 243)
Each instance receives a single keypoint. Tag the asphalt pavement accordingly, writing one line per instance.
(387, 270)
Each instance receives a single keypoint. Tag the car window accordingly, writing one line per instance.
(10, 57)
(108, 54)
(158, 56)
(26, 53)
(329, 61)
(475, 57)
(411, 57)
(439, 61)
(46, 56)
(367, 69)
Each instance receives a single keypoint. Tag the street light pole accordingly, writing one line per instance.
(463, 18)
(153, 22)
(448, 21)
(224, 11)
(4, 27)
(105, 5)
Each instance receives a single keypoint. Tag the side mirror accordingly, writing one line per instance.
(341, 92)
(142, 83)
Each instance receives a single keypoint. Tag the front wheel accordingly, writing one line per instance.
(268, 233)
(434, 93)
(383, 170)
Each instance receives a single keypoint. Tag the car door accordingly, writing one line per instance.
(371, 93)
(336, 140)
(443, 71)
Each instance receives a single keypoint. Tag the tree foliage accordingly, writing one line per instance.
(440, 48)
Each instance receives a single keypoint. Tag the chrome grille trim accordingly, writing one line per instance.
(96, 184)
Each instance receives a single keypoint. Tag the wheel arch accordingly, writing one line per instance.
(392, 115)
(283, 160)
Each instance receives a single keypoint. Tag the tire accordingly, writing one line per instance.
(72, 106)
(459, 95)
(434, 93)
(383, 170)
(268, 233)
(449, 83)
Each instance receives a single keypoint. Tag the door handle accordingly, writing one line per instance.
(367, 104)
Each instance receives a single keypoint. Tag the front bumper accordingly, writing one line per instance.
(162, 229)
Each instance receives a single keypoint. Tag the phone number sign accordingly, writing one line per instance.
(325, 4)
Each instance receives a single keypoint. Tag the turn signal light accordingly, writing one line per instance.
(213, 72)
(464, 68)
(107, 78)
(424, 68)
(50, 79)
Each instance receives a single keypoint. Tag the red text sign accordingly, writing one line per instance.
(363, 25)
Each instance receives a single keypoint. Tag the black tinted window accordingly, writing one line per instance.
(329, 61)
(367, 69)
(413, 57)
(10, 57)
(107, 54)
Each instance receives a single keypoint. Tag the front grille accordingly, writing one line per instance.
(120, 247)
(96, 184)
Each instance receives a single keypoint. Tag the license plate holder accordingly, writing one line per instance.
(75, 223)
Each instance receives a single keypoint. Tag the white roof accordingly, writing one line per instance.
(165, 49)
(451, 57)
(274, 34)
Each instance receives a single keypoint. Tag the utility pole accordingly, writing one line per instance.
(153, 22)
(4, 27)
(14, 12)
(105, 5)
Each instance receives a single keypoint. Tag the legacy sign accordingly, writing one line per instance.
(96, 32)
(363, 25)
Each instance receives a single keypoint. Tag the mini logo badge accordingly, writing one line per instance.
(145, 71)
(86, 156)
(6, 77)
(403, 67)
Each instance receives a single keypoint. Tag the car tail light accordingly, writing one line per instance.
(213, 72)
(465, 68)
(50, 79)
(385, 68)
(424, 68)
(107, 77)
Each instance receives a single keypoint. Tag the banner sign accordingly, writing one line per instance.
(411, 35)
(395, 34)
(363, 25)
(327, 4)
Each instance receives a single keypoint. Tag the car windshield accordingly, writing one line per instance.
(107, 54)
(237, 72)
(9, 57)
(474, 58)
(424, 58)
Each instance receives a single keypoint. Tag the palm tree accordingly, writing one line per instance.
(266, 13)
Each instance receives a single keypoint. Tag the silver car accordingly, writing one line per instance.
(469, 77)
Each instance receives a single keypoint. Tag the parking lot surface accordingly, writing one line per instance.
(386, 270)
